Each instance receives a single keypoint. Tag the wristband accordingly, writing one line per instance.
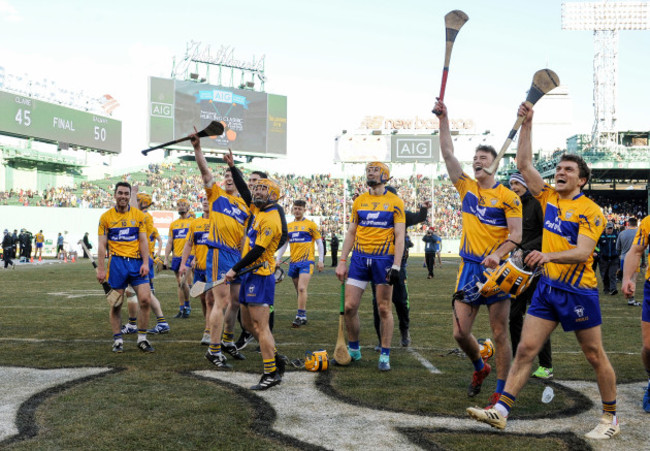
(397, 267)
(343, 260)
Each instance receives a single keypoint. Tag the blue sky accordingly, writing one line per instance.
(337, 61)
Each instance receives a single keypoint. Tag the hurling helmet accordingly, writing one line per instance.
(383, 169)
(144, 200)
(317, 360)
(486, 348)
(512, 277)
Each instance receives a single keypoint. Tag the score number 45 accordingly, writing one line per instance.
(23, 117)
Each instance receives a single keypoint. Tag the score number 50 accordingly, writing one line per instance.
(100, 133)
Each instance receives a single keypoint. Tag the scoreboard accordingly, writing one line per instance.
(255, 122)
(27, 117)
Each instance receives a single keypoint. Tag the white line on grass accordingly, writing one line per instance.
(425, 363)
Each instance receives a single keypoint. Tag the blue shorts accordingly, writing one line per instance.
(645, 314)
(176, 263)
(189, 261)
(39, 245)
(575, 311)
(257, 290)
(123, 271)
(370, 269)
(199, 275)
(470, 271)
(304, 267)
(219, 262)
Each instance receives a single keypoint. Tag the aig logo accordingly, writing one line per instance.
(413, 148)
(161, 109)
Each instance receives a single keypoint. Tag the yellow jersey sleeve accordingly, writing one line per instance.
(642, 238)
(228, 216)
(375, 217)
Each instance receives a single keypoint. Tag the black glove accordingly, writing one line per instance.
(393, 276)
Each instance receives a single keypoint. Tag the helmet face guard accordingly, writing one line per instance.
(317, 360)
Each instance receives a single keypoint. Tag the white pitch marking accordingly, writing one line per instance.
(425, 363)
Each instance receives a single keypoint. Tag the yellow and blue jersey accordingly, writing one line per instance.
(265, 231)
(375, 217)
(564, 221)
(485, 217)
(152, 233)
(228, 215)
(122, 231)
(199, 232)
(39, 238)
(302, 236)
(642, 238)
(178, 231)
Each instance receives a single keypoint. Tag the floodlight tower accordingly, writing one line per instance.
(605, 19)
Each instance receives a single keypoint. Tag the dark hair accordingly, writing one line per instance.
(263, 175)
(299, 203)
(583, 169)
(125, 184)
(632, 222)
(488, 149)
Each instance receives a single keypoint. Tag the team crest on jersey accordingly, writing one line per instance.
(494, 202)
(385, 206)
(598, 221)
(123, 223)
(569, 214)
(517, 203)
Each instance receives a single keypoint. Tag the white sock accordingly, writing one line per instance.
(142, 337)
(502, 410)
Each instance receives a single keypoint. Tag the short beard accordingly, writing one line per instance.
(372, 183)
(260, 203)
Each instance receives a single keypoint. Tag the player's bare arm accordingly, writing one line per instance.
(400, 231)
(632, 259)
(342, 267)
(187, 249)
(454, 168)
(515, 228)
(144, 253)
(101, 258)
(525, 152)
(578, 254)
(201, 162)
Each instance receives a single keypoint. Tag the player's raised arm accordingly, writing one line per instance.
(454, 168)
(525, 152)
(201, 162)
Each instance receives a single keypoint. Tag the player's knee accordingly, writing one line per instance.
(526, 351)
(302, 290)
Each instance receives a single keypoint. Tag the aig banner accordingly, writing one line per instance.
(415, 148)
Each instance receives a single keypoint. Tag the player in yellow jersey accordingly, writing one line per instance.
(492, 227)
(376, 239)
(143, 201)
(122, 230)
(567, 292)
(303, 234)
(631, 266)
(178, 231)
(39, 239)
(257, 293)
(228, 216)
(197, 246)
